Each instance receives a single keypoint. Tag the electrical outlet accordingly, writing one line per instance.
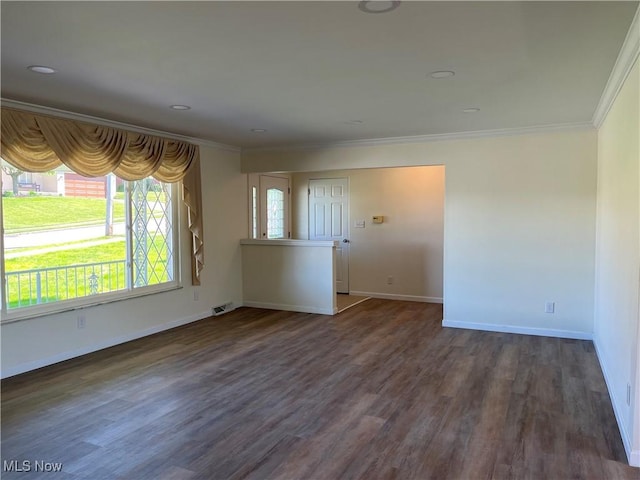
(82, 321)
(389, 280)
(549, 307)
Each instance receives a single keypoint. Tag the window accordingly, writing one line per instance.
(254, 212)
(63, 250)
(25, 177)
(275, 213)
(152, 233)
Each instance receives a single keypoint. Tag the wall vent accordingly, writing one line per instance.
(220, 309)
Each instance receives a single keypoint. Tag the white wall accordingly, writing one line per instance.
(293, 275)
(409, 244)
(519, 232)
(519, 222)
(618, 258)
(40, 341)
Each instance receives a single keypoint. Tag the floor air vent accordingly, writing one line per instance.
(220, 309)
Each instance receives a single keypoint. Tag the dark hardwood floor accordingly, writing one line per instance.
(378, 391)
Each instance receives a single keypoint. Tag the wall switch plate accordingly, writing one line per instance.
(82, 321)
(549, 307)
(196, 294)
(359, 224)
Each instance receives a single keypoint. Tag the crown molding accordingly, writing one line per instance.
(345, 144)
(428, 138)
(624, 63)
(55, 112)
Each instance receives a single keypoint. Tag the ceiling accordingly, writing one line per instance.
(309, 72)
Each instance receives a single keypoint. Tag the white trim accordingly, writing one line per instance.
(372, 142)
(348, 143)
(292, 308)
(288, 242)
(540, 332)
(36, 311)
(624, 63)
(632, 456)
(60, 357)
(80, 117)
(393, 296)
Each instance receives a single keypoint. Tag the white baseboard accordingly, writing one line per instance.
(633, 456)
(60, 357)
(541, 332)
(292, 308)
(393, 296)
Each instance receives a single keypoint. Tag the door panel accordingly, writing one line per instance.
(274, 207)
(328, 220)
(319, 222)
(336, 220)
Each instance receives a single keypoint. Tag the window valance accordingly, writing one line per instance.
(40, 143)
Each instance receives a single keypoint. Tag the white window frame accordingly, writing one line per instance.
(33, 311)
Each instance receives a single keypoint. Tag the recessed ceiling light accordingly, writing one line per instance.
(180, 107)
(442, 74)
(378, 6)
(354, 122)
(470, 110)
(258, 130)
(41, 69)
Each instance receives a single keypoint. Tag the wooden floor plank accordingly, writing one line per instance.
(379, 391)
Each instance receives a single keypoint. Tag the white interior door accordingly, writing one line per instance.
(274, 207)
(328, 220)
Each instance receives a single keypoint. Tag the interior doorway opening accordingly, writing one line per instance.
(395, 229)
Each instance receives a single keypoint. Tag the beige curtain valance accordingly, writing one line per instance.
(40, 143)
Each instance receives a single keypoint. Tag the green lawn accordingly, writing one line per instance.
(62, 246)
(61, 284)
(37, 213)
(73, 256)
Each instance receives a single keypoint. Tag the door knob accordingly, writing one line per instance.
(346, 240)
